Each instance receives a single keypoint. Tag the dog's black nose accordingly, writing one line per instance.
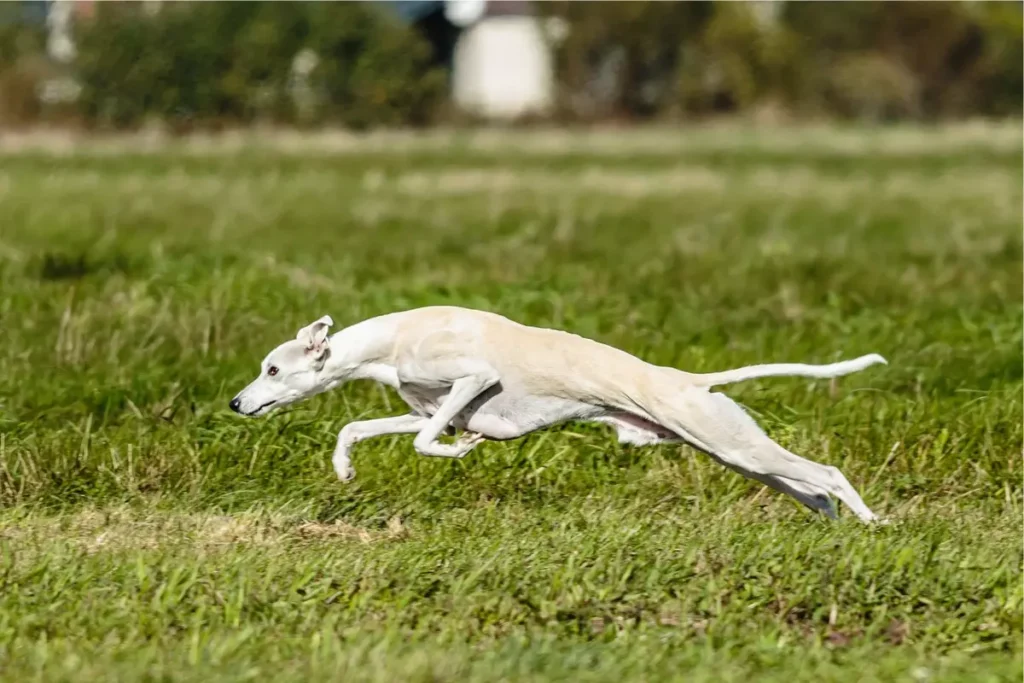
(234, 404)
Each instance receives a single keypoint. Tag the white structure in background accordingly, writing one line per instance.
(767, 12)
(300, 85)
(502, 67)
(59, 44)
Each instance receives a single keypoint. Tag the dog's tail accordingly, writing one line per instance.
(845, 367)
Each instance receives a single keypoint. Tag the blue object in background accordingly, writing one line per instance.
(25, 12)
(413, 11)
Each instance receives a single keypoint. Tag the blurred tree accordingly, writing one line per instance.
(233, 61)
(360, 64)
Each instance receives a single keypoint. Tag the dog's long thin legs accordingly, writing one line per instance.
(813, 497)
(462, 392)
(354, 432)
(724, 430)
(631, 431)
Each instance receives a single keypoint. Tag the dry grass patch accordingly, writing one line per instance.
(122, 529)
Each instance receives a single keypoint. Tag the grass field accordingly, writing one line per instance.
(148, 533)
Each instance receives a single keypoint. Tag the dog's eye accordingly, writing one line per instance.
(272, 370)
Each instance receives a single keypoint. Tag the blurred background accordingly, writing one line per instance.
(183, 185)
(419, 62)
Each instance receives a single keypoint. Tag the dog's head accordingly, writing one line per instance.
(289, 373)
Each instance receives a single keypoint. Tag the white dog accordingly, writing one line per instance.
(497, 379)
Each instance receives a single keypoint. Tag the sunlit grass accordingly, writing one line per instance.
(147, 531)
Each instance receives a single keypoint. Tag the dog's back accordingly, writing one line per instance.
(537, 360)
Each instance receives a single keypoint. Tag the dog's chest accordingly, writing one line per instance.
(525, 411)
(422, 400)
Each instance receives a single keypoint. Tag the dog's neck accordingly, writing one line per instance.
(362, 351)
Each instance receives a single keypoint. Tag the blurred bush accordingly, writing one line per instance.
(621, 58)
(308, 63)
(21, 68)
(738, 63)
(922, 59)
(371, 69)
(236, 62)
(869, 60)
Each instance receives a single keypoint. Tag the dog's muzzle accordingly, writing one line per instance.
(236, 405)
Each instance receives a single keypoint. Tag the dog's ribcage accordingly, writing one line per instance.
(501, 412)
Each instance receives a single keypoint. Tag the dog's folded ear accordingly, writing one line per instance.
(314, 336)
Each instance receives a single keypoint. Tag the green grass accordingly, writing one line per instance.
(147, 533)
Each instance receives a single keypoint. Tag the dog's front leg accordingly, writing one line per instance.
(462, 392)
(354, 432)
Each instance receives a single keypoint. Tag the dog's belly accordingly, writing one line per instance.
(498, 413)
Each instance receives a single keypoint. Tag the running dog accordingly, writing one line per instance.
(495, 379)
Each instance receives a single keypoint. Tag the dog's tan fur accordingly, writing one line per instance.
(499, 379)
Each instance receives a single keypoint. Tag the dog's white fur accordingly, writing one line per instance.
(496, 379)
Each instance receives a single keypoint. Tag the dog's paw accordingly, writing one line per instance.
(343, 469)
(877, 521)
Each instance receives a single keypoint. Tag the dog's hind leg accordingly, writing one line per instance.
(715, 424)
(813, 497)
(636, 431)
